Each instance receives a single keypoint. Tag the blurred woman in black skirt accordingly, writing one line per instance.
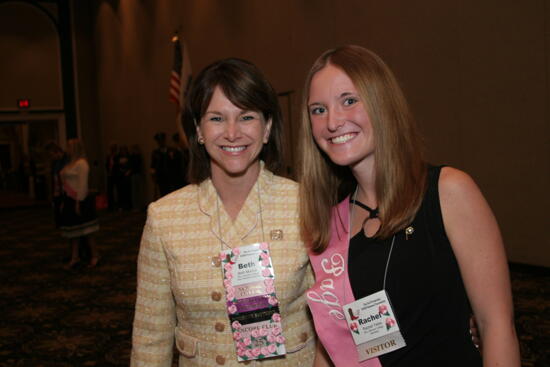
(78, 215)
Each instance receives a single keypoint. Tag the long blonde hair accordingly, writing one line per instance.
(400, 168)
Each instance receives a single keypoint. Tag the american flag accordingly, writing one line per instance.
(175, 77)
(180, 80)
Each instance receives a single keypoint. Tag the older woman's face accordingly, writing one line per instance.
(232, 137)
(339, 121)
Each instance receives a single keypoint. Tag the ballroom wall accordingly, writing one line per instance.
(30, 58)
(476, 74)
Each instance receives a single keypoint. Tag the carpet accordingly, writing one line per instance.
(50, 316)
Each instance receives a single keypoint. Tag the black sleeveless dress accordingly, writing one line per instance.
(424, 287)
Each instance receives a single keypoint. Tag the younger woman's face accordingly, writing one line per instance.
(233, 137)
(339, 121)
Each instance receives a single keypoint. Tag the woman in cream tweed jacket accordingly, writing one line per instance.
(232, 120)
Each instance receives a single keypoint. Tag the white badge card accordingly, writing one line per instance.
(373, 326)
(252, 304)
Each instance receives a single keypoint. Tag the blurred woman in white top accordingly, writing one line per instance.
(78, 216)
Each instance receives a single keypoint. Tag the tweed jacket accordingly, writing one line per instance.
(180, 295)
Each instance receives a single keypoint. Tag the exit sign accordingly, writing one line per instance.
(23, 103)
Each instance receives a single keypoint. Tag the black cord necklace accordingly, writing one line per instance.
(373, 213)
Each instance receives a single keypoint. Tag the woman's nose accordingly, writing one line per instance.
(335, 120)
(233, 130)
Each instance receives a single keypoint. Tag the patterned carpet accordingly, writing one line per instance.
(53, 317)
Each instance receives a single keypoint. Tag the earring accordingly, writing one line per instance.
(201, 140)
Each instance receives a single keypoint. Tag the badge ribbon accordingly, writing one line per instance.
(252, 304)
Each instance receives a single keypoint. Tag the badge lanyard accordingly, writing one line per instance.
(252, 305)
(371, 319)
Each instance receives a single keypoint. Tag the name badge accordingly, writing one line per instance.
(252, 304)
(373, 326)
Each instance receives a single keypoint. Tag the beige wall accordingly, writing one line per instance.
(476, 74)
(29, 58)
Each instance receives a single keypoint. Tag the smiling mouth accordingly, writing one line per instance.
(234, 149)
(342, 138)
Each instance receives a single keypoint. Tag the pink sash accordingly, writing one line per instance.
(331, 291)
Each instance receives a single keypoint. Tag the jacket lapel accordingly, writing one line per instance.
(235, 233)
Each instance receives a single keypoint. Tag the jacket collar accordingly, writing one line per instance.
(234, 233)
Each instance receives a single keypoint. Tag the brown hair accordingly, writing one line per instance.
(53, 147)
(246, 87)
(400, 168)
(75, 149)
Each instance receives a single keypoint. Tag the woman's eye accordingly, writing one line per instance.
(215, 118)
(317, 110)
(248, 117)
(349, 101)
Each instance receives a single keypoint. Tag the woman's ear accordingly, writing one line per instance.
(200, 139)
(267, 130)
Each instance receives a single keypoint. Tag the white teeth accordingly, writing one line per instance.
(234, 149)
(342, 138)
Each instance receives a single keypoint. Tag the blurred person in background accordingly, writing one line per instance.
(136, 177)
(58, 160)
(111, 167)
(123, 178)
(160, 166)
(181, 161)
(78, 214)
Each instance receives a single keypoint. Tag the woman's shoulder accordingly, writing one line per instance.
(179, 199)
(74, 166)
(283, 189)
(285, 183)
(455, 183)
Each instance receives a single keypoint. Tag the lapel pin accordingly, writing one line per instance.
(408, 232)
(216, 261)
(276, 234)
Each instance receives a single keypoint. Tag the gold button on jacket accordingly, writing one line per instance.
(216, 296)
(177, 280)
(219, 327)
